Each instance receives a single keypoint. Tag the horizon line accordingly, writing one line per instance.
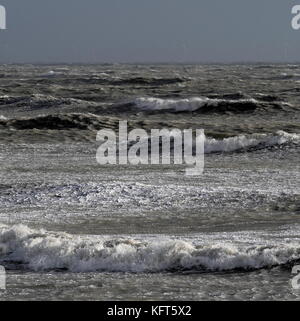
(250, 62)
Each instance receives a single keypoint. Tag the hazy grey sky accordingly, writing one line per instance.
(149, 31)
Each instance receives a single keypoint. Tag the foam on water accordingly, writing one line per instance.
(243, 142)
(189, 104)
(247, 142)
(202, 104)
(40, 250)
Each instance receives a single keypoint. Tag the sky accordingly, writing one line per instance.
(149, 31)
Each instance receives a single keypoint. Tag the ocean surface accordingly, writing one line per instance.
(71, 229)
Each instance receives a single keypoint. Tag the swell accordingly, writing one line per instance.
(39, 250)
(36, 101)
(106, 80)
(236, 103)
(59, 122)
(75, 123)
(31, 104)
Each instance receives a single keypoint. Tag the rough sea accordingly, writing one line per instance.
(71, 229)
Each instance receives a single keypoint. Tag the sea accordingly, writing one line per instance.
(72, 229)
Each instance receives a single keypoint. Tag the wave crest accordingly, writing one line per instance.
(247, 142)
(40, 250)
(206, 105)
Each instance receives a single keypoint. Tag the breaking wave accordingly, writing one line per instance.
(250, 141)
(244, 142)
(206, 105)
(92, 122)
(39, 250)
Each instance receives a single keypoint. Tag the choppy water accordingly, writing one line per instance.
(72, 229)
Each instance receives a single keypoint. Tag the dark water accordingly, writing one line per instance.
(149, 232)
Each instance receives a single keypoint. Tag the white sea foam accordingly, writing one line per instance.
(234, 143)
(40, 250)
(247, 141)
(177, 105)
(188, 104)
(51, 73)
